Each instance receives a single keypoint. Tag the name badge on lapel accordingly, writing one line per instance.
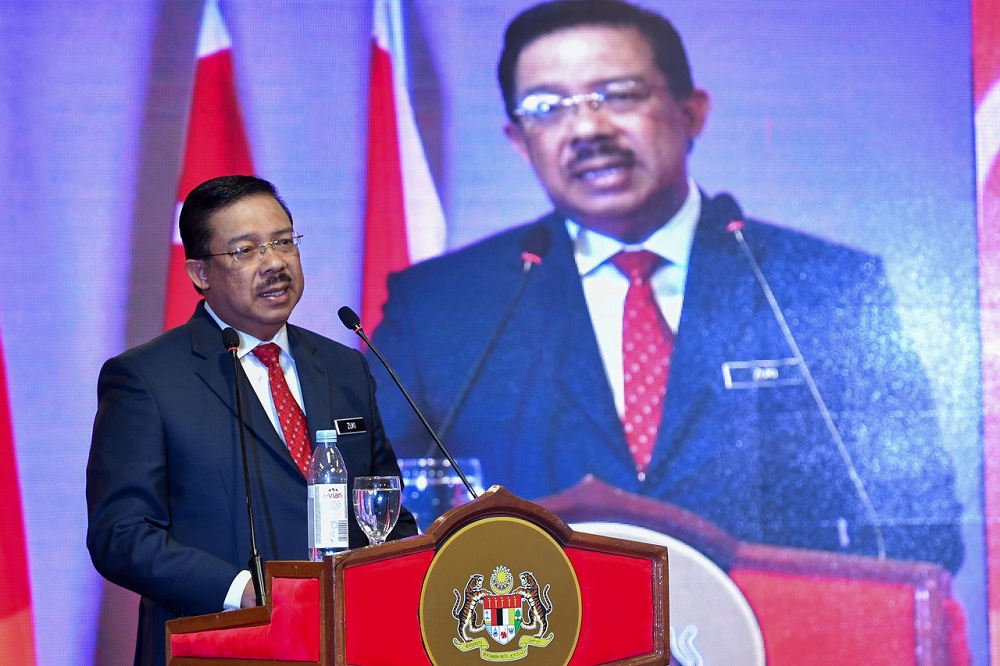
(350, 426)
(764, 373)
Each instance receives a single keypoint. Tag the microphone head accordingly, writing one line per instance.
(349, 318)
(231, 339)
(729, 210)
(536, 245)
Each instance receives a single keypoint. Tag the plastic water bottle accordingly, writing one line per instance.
(327, 499)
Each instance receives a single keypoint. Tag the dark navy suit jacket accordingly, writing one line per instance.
(753, 455)
(165, 486)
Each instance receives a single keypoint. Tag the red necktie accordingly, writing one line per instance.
(293, 421)
(647, 343)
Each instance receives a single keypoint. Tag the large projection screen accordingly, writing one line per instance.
(849, 120)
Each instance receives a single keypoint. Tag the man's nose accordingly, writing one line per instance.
(588, 119)
(272, 259)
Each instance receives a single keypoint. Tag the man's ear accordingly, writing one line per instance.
(515, 134)
(198, 272)
(695, 107)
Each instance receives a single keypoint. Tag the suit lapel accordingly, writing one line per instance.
(216, 370)
(314, 380)
(719, 300)
(566, 343)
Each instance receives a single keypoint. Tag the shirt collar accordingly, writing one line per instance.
(248, 342)
(672, 241)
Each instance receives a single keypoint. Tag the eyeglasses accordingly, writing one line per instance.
(547, 108)
(247, 253)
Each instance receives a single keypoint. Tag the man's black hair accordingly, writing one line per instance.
(212, 196)
(549, 17)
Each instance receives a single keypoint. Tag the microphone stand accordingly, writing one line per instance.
(351, 321)
(530, 261)
(736, 228)
(255, 563)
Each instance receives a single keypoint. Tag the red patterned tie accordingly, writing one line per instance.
(647, 343)
(293, 421)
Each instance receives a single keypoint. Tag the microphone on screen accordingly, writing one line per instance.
(231, 339)
(536, 244)
(730, 210)
(351, 320)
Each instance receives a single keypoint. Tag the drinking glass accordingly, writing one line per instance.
(376, 505)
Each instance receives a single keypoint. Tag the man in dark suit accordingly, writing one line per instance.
(715, 416)
(165, 486)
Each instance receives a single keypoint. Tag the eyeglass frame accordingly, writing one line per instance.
(296, 240)
(594, 99)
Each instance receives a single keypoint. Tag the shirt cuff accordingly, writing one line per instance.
(234, 599)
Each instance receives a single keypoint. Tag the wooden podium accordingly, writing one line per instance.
(812, 607)
(498, 579)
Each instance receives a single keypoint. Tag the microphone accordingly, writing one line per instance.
(351, 320)
(231, 339)
(731, 211)
(534, 247)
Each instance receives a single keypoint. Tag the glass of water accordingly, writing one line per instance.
(376, 505)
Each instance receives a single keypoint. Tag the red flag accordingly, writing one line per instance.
(404, 222)
(986, 87)
(216, 145)
(17, 634)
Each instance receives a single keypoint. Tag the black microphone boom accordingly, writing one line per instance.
(351, 320)
(231, 339)
(731, 210)
(535, 246)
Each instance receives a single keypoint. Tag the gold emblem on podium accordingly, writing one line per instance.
(530, 617)
(504, 614)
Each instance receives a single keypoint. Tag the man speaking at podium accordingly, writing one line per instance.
(165, 485)
(641, 348)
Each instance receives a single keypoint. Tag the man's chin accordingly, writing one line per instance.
(615, 221)
(607, 203)
(627, 215)
(275, 313)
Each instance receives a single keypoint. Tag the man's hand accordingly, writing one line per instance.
(249, 599)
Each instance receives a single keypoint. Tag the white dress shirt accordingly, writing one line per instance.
(604, 286)
(256, 371)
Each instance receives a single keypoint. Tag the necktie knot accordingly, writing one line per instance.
(637, 265)
(268, 353)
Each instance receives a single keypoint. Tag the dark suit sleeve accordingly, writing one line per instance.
(396, 336)
(895, 432)
(127, 499)
(869, 373)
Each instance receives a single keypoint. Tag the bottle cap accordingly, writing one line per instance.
(326, 436)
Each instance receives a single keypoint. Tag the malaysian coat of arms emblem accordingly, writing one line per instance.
(511, 595)
(505, 613)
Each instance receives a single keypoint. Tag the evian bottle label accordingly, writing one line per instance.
(328, 515)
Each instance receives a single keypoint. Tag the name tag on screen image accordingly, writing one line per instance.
(761, 374)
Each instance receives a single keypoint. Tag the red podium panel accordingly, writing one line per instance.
(381, 605)
(812, 607)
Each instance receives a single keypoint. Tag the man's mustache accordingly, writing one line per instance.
(588, 151)
(275, 279)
